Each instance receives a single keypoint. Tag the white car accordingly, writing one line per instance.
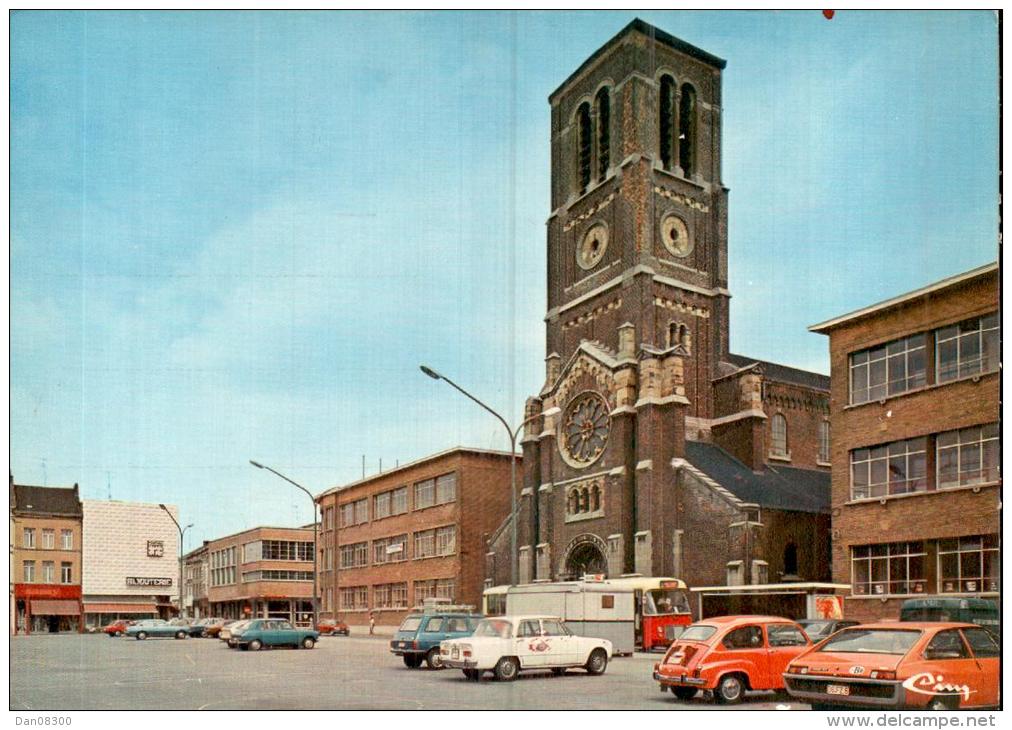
(509, 645)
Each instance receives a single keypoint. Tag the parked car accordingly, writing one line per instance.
(155, 627)
(330, 627)
(230, 632)
(819, 629)
(212, 627)
(731, 655)
(420, 635)
(893, 665)
(226, 629)
(978, 611)
(117, 628)
(196, 627)
(260, 633)
(509, 645)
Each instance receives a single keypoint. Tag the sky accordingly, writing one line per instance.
(236, 235)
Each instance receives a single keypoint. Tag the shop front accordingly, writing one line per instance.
(297, 611)
(47, 609)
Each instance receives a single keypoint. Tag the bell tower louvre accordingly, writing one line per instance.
(649, 445)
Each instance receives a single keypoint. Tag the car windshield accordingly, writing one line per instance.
(871, 641)
(814, 628)
(411, 623)
(494, 627)
(699, 632)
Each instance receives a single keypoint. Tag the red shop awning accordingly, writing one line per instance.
(55, 608)
(119, 608)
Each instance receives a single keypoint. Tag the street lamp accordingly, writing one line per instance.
(514, 557)
(316, 607)
(181, 531)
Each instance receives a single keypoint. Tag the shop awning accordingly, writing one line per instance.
(119, 608)
(55, 608)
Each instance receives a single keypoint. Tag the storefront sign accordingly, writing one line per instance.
(156, 548)
(148, 581)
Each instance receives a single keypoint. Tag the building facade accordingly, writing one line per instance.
(196, 570)
(46, 558)
(263, 572)
(651, 448)
(131, 561)
(418, 531)
(916, 449)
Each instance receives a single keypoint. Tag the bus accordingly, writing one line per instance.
(633, 612)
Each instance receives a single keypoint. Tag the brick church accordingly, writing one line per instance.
(651, 448)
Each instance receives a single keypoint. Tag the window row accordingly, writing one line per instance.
(779, 445)
(957, 565)
(426, 544)
(593, 139)
(584, 499)
(960, 350)
(48, 539)
(48, 575)
(252, 576)
(677, 126)
(391, 595)
(426, 493)
(962, 458)
(277, 550)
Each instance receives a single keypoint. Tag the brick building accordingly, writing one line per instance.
(45, 558)
(263, 572)
(130, 557)
(652, 448)
(417, 531)
(916, 452)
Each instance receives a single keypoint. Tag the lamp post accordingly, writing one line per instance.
(514, 556)
(181, 531)
(316, 604)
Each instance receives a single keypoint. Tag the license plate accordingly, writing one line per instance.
(456, 652)
(403, 644)
(838, 689)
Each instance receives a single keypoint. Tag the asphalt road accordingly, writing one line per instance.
(94, 672)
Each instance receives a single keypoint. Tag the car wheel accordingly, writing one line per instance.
(141, 635)
(943, 704)
(255, 645)
(308, 643)
(730, 690)
(558, 671)
(180, 634)
(597, 662)
(506, 669)
(684, 693)
(412, 661)
(432, 659)
(114, 634)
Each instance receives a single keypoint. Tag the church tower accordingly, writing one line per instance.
(638, 229)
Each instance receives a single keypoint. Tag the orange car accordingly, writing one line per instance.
(729, 655)
(937, 666)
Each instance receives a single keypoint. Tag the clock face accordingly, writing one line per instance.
(591, 249)
(584, 429)
(675, 235)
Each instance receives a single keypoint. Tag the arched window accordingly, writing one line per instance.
(824, 442)
(603, 132)
(683, 335)
(791, 559)
(666, 118)
(779, 427)
(574, 502)
(584, 142)
(672, 334)
(687, 130)
(595, 498)
(584, 500)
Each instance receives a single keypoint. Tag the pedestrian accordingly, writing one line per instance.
(372, 624)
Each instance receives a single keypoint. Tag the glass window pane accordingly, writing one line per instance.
(969, 464)
(969, 355)
(947, 367)
(916, 366)
(859, 357)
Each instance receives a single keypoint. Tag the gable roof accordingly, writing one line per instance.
(782, 373)
(45, 500)
(775, 487)
(637, 25)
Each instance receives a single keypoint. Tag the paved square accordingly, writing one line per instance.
(94, 672)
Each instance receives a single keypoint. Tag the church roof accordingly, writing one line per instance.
(775, 487)
(782, 373)
(648, 30)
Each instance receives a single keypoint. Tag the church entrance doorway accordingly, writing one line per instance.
(585, 556)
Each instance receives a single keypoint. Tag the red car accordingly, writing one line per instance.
(117, 628)
(331, 627)
(729, 655)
